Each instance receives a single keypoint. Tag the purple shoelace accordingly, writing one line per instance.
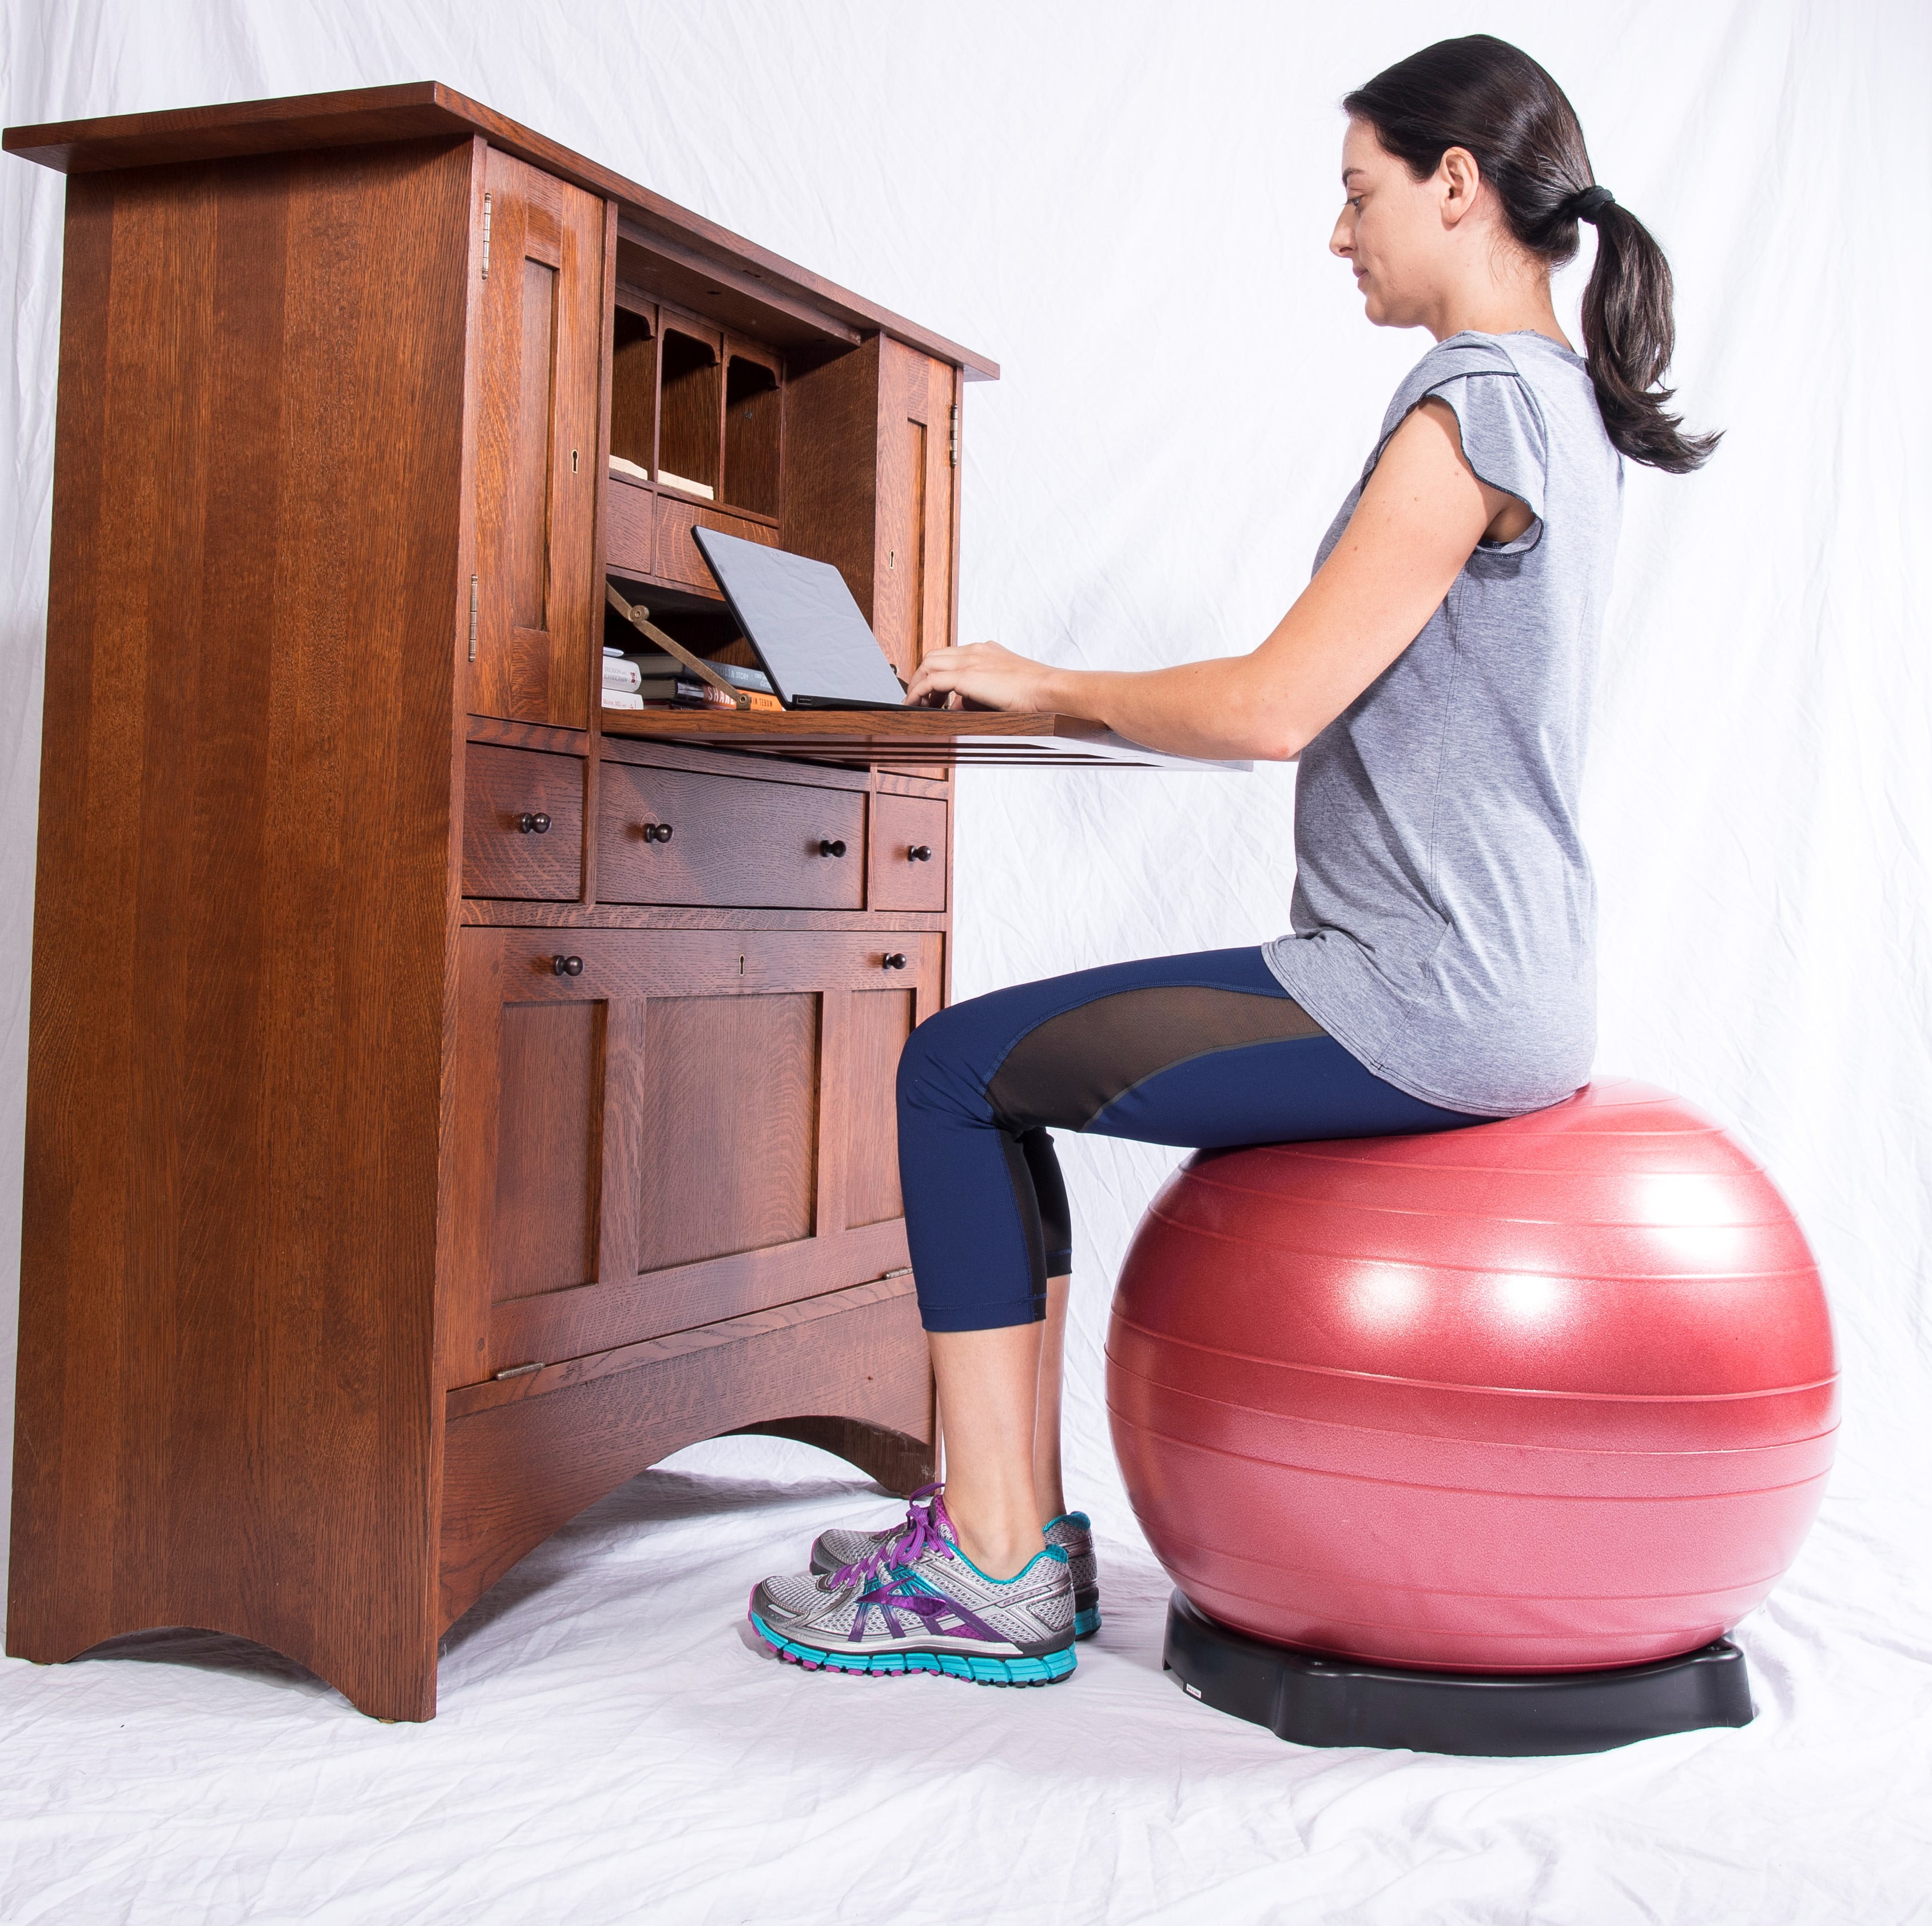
(928, 1527)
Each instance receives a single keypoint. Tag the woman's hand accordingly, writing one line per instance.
(982, 674)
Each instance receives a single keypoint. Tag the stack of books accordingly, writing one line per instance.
(651, 679)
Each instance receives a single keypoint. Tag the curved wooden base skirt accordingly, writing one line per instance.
(522, 1456)
(837, 1371)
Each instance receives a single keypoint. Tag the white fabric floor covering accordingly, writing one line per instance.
(1126, 202)
(611, 1747)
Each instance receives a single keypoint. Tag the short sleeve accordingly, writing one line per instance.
(1504, 437)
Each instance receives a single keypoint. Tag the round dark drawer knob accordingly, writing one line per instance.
(567, 966)
(533, 823)
(831, 846)
(893, 959)
(919, 853)
(657, 833)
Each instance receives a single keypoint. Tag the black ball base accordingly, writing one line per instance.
(1311, 1700)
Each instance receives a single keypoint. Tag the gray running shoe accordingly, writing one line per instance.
(919, 1603)
(1072, 1532)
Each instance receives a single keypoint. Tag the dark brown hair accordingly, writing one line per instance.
(1482, 94)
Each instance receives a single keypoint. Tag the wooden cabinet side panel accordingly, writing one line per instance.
(237, 1029)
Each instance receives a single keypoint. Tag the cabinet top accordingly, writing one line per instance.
(424, 109)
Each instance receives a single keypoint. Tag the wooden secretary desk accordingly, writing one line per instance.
(448, 1097)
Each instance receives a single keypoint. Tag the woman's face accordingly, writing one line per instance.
(1392, 230)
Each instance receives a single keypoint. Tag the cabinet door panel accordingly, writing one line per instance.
(912, 596)
(728, 1126)
(693, 1125)
(878, 1023)
(536, 447)
(550, 1072)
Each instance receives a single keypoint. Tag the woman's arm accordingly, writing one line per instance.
(1422, 513)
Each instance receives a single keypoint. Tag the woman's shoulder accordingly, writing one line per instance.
(1524, 357)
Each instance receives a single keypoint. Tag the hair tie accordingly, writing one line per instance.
(1588, 204)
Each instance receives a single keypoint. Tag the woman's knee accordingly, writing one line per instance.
(937, 1062)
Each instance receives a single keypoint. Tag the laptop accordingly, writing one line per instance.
(800, 619)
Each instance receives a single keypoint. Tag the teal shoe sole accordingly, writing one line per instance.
(1048, 1669)
(1086, 1623)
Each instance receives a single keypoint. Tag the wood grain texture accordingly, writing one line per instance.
(677, 1113)
(483, 912)
(831, 475)
(515, 1471)
(728, 1103)
(900, 825)
(883, 736)
(550, 1082)
(316, 1141)
(563, 1325)
(537, 442)
(233, 1107)
(525, 735)
(630, 529)
(732, 843)
(633, 384)
(879, 1022)
(747, 277)
(753, 432)
(504, 853)
(677, 556)
(691, 402)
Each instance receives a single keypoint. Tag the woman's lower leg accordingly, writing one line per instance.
(989, 1384)
(1049, 1495)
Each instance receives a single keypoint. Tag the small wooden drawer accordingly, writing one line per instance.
(629, 527)
(677, 558)
(907, 854)
(523, 824)
(670, 836)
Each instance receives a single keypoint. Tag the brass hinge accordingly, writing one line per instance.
(486, 244)
(953, 445)
(472, 618)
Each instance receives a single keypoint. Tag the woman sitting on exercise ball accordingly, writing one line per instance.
(1434, 678)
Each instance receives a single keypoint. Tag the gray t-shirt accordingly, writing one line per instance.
(1444, 915)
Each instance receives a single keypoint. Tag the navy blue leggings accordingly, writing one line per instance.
(1206, 1052)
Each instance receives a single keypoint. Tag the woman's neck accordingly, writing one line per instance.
(1516, 305)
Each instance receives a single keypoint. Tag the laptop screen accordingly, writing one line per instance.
(800, 617)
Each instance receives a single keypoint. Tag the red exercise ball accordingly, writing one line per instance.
(1547, 1395)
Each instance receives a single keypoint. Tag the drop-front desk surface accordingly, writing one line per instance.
(446, 1097)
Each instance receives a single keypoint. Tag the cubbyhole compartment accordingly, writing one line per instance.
(687, 425)
(751, 416)
(634, 393)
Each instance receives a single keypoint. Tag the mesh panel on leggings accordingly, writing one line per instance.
(1067, 1071)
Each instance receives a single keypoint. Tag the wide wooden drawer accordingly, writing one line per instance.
(907, 853)
(523, 824)
(672, 836)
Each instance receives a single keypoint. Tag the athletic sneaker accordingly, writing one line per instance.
(919, 1603)
(1072, 1532)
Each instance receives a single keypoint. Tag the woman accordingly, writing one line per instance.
(1434, 680)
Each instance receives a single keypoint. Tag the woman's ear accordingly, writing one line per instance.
(1459, 179)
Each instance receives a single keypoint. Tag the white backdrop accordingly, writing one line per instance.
(1127, 205)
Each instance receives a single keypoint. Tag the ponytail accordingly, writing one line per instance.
(1482, 94)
